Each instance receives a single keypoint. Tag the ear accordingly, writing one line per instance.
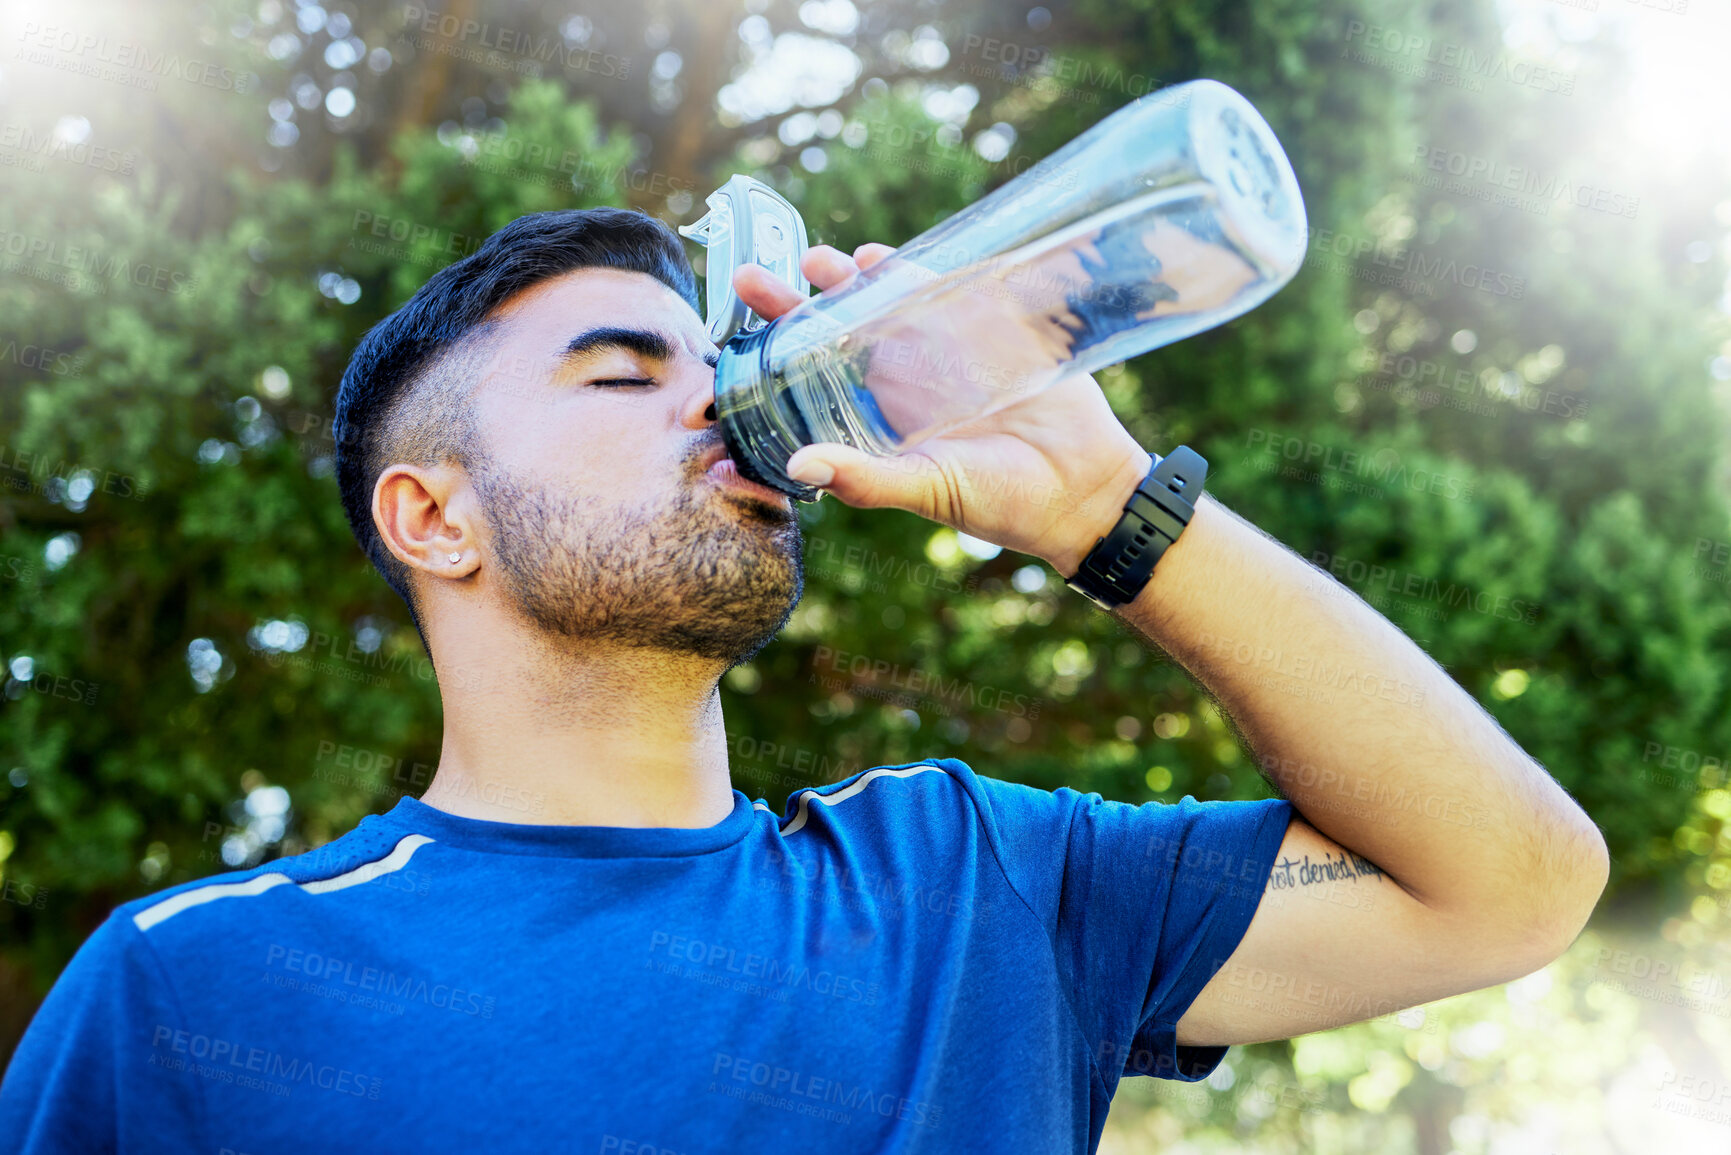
(424, 514)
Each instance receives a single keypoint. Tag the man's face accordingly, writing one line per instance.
(611, 510)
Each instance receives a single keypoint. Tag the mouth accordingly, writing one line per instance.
(724, 474)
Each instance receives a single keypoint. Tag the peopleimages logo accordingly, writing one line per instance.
(1677, 980)
(793, 1089)
(875, 677)
(46, 143)
(42, 359)
(1328, 462)
(136, 65)
(1458, 65)
(1484, 392)
(1072, 78)
(361, 979)
(49, 259)
(483, 43)
(1547, 188)
(1376, 578)
(773, 971)
(229, 1061)
(1423, 267)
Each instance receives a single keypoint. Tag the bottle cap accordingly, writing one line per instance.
(748, 223)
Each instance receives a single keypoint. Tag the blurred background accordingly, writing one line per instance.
(1515, 302)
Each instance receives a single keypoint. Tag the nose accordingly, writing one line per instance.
(697, 410)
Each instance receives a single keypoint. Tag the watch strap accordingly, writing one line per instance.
(1122, 562)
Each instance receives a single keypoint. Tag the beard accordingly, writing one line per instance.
(684, 576)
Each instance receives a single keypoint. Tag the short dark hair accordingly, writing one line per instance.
(405, 394)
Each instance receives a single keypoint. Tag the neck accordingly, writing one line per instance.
(577, 733)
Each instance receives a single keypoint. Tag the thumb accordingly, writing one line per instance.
(859, 479)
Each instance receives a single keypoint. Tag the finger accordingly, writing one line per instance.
(763, 292)
(826, 267)
(871, 253)
(905, 481)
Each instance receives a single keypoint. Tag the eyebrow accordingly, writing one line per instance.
(644, 342)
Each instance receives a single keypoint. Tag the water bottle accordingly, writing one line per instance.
(1173, 215)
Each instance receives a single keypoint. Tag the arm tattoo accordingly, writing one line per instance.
(1291, 873)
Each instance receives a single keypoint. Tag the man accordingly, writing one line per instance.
(582, 938)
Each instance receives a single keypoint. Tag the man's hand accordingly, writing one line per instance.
(1046, 476)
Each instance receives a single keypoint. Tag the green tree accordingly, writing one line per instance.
(205, 672)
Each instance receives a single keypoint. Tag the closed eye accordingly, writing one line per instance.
(623, 382)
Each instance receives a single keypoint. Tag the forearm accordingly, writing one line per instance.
(1374, 744)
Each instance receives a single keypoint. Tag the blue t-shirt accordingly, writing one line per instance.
(914, 959)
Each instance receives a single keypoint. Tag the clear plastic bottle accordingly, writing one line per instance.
(1173, 215)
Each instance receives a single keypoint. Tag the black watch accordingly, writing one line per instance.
(1121, 563)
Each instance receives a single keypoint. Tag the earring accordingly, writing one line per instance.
(455, 558)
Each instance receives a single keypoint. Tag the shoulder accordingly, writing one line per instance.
(933, 788)
(932, 785)
(1016, 813)
(373, 849)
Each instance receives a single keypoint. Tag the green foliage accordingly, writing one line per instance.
(170, 472)
(201, 417)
